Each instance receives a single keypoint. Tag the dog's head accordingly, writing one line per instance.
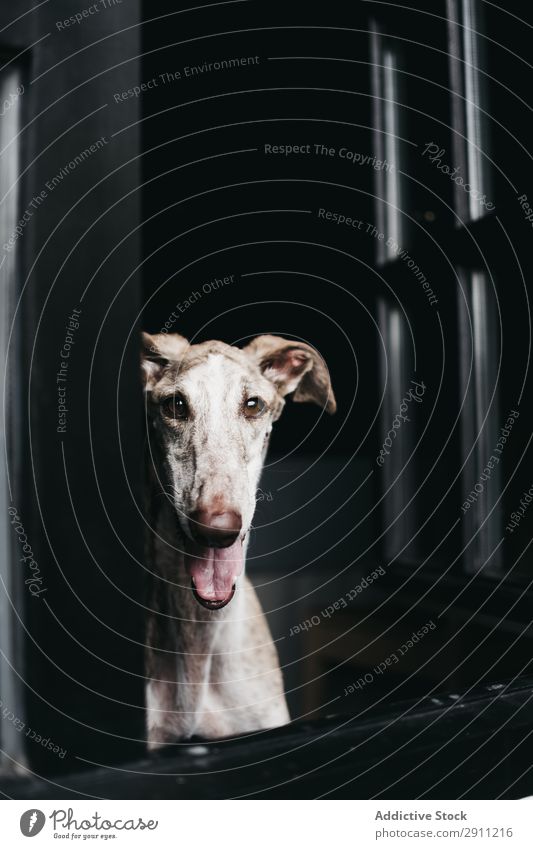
(211, 408)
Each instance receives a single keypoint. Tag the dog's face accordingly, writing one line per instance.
(211, 408)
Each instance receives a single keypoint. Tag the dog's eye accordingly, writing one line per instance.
(253, 407)
(175, 407)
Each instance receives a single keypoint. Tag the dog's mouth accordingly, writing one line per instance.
(213, 572)
(211, 604)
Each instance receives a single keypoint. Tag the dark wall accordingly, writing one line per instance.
(217, 204)
(79, 252)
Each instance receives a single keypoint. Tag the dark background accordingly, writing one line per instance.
(183, 194)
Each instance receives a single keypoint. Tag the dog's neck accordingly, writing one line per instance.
(185, 640)
(210, 673)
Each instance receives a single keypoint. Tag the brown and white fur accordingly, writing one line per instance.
(212, 668)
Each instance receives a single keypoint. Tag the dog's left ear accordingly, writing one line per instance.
(294, 367)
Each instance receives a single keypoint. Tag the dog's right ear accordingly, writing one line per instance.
(157, 351)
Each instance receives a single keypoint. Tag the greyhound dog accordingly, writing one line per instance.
(211, 665)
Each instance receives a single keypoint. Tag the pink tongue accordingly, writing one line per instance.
(214, 570)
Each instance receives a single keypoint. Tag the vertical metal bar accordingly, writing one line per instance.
(386, 124)
(391, 122)
(470, 139)
(487, 420)
(473, 100)
(10, 579)
(479, 357)
(398, 484)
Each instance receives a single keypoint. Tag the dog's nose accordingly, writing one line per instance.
(215, 529)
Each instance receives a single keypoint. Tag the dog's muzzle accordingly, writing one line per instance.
(215, 529)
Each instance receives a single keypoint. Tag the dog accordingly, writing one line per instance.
(211, 666)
